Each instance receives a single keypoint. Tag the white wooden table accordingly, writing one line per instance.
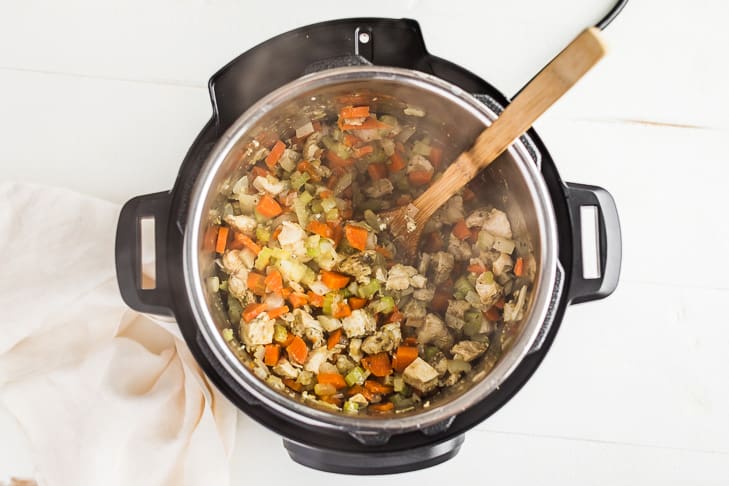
(635, 389)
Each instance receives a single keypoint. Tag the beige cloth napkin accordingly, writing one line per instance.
(105, 395)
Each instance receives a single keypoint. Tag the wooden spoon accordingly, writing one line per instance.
(406, 223)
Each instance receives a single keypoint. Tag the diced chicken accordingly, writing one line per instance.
(424, 264)
(421, 376)
(418, 281)
(270, 185)
(304, 129)
(425, 294)
(311, 146)
(452, 210)
(502, 264)
(455, 313)
(477, 218)
(439, 362)
(290, 233)
(441, 265)
(244, 224)
(387, 338)
(497, 224)
(330, 324)
(359, 265)
(306, 326)
(315, 359)
(380, 188)
(306, 378)
(236, 260)
(368, 134)
(289, 159)
(469, 350)
(355, 349)
(258, 331)
(314, 336)
(359, 323)
(460, 249)
(514, 309)
(237, 286)
(285, 369)
(398, 278)
(344, 364)
(419, 163)
(414, 312)
(359, 399)
(434, 331)
(489, 291)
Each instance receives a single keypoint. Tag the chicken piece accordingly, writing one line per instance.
(289, 159)
(398, 278)
(290, 234)
(434, 331)
(387, 338)
(315, 359)
(359, 324)
(425, 294)
(303, 321)
(460, 249)
(439, 362)
(244, 224)
(414, 312)
(238, 288)
(514, 309)
(368, 134)
(489, 291)
(477, 218)
(311, 146)
(452, 210)
(380, 188)
(344, 364)
(469, 350)
(258, 331)
(270, 185)
(236, 260)
(330, 324)
(418, 281)
(424, 264)
(419, 163)
(502, 265)
(441, 265)
(306, 378)
(359, 399)
(314, 336)
(421, 376)
(359, 265)
(355, 349)
(285, 369)
(455, 314)
(497, 224)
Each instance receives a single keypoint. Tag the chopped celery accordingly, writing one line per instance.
(474, 321)
(328, 204)
(292, 270)
(350, 407)
(262, 234)
(430, 352)
(234, 309)
(461, 288)
(332, 215)
(312, 246)
(401, 401)
(367, 290)
(302, 214)
(316, 207)
(458, 366)
(328, 305)
(263, 258)
(383, 306)
(421, 148)
(228, 334)
(356, 376)
(398, 384)
(223, 286)
(298, 179)
(309, 277)
(280, 334)
(487, 277)
(305, 197)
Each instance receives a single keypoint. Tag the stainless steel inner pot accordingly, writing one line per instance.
(512, 183)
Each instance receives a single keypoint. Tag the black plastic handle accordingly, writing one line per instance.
(608, 238)
(129, 253)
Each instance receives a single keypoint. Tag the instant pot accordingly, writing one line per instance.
(304, 70)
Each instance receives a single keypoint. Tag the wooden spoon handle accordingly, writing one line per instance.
(548, 86)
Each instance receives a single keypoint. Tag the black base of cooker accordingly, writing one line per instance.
(374, 462)
(233, 89)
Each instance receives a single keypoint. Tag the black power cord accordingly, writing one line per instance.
(610, 16)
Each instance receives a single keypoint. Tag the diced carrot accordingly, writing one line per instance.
(297, 350)
(351, 391)
(404, 355)
(396, 316)
(357, 302)
(377, 171)
(336, 161)
(350, 140)
(222, 240)
(433, 242)
(334, 338)
(476, 268)
(338, 232)
(519, 267)
(381, 407)
(461, 231)
(436, 156)
(356, 237)
(242, 241)
(268, 207)
(289, 339)
(403, 200)
(320, 229)
(315, 300)
(468, 194)
(276, 232)
(492, 314)
(397, 163)
(439, 302)
(474, 234)
(377, 388)
(331, 378)
(325, 194)
(258, 171)
(384, 252)
(274, 282)
(293, 384)
(342, 310)
(499, 304)
(333, 399)
(210, 238)
(278, 311)
(252, 311)
(410, 341)
(275, 154)
(378, 364)
(420, 177)
(286, 291)
(256, 283)
(363, 150)
(298, 299)
(355, 112)
(270, 357)
(347, 211)
(334, 280)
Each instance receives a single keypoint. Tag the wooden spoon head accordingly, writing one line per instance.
(404, 226)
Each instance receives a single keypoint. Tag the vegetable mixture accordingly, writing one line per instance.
(310, 276)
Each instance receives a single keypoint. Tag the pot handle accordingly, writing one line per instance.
(150, 298)
(595, 228)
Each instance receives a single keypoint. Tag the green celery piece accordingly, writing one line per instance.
(368, 290)
(350, 407)
(356, 376)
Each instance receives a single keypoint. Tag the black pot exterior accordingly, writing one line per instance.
(233, 89)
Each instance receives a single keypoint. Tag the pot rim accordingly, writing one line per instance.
(362, 425)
